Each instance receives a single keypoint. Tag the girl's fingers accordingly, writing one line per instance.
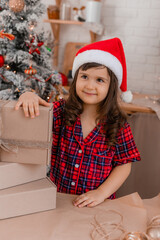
(92, 204)
(80, 199)
(43, 102)
(31, 110)
(85, 203)
(25, 109)
(18, 104)
(36, 108)
(30, 103)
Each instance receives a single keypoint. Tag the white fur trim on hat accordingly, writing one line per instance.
(127, 96)
(101, 57)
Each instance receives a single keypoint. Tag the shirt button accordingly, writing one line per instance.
(73, 183)
(76, 165)
(80, 151)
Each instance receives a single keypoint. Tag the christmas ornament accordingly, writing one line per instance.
(153, 229)
(16, 5)
(154, 233)
(135, 236)
(30, 71)
(7, 35)
(64, 79)
(59, 97)
(1, 61)
(32, 24)
(34, 45)
(48, 48)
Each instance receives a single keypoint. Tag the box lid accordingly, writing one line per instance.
(18, 127)
(32, 186)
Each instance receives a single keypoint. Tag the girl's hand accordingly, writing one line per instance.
(89, 199)
(30, 102)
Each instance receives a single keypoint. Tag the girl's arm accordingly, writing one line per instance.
(116, 178)
(30, 103)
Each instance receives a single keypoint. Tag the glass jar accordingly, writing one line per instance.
(65, 10)
(93, 11)
(53, 12)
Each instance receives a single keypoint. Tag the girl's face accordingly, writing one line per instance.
(92, 85)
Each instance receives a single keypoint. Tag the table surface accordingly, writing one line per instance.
(71, 223)
(133, 108)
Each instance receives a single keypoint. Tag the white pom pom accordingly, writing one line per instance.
(127, 96)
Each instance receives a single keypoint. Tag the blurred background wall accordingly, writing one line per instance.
(137, 24)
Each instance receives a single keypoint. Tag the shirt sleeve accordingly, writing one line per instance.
(58, 111)
(125, 149)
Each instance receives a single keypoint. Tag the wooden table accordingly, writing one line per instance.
(67, 222)
(133, 108)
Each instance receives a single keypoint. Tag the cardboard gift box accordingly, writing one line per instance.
(25, 140)
(36, 196)
(12, 174)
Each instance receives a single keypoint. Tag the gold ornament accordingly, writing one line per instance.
(135, 236)
(154, 233)
(16, 5)
(59, 94)
(153, 229)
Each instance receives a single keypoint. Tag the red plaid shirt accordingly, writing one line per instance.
(79, 165)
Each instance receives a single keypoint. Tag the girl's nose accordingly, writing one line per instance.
(90, 84)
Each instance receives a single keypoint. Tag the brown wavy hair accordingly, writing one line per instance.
(108, 112)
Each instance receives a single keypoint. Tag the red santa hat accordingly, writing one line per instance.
(109, 53)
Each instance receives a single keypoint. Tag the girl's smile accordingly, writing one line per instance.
(92, 85)
(90, 93)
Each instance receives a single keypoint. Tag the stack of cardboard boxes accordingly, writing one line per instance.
(25, 150)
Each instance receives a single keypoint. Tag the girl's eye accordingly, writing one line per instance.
(100, 80)
(84, 76)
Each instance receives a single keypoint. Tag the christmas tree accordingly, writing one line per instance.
(25, 61)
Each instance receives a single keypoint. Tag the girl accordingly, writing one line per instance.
(93, 146)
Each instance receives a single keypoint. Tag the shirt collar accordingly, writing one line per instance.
(77, 132)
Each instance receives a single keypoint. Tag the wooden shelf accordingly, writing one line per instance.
(58, 21)
(55, 25)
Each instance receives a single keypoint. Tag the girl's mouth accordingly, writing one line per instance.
(88, 93)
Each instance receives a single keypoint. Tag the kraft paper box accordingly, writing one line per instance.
(36, 196)
(29, 140)
(12, 174)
